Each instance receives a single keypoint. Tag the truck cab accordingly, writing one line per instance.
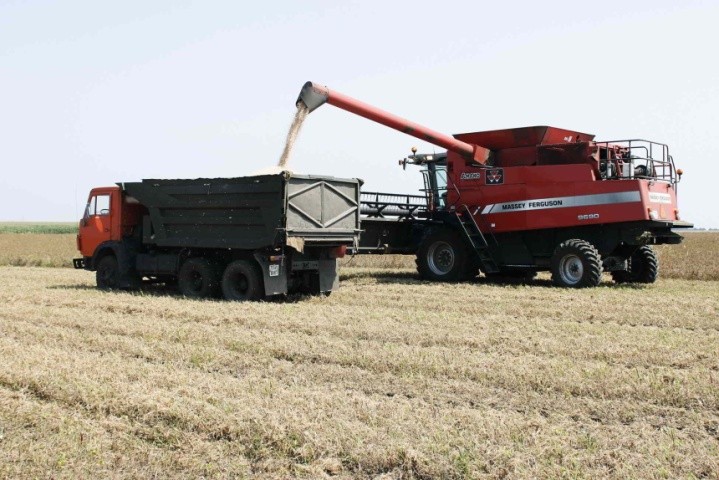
(101, 221)
(105, 236)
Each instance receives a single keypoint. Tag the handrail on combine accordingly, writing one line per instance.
(637, 158)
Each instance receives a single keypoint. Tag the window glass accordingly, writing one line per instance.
(90, 209)
(103, 205)
(441, 179)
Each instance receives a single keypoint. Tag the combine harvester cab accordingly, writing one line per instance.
(513, 202)
(243, 238)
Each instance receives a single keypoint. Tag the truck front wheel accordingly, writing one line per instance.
(242, 281)
(576, 264)
(443, 256)
(198, 278)
(107, 274)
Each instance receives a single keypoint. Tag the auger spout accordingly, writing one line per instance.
(313, 96)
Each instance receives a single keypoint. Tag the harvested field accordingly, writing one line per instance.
(390, 376)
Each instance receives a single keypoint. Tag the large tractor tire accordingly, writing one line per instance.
(198, 278)
(443, 256)
(107, 273)
(242, 281)
(576, 264)
(643, 267)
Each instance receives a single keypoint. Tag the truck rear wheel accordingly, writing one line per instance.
(242, 281)
(643, 267)
(576, 264)
(107, 274)
(443, 257)
(198, 278)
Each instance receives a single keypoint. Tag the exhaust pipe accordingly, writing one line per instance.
(314, 96)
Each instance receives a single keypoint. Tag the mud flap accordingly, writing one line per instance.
(329, 276)
(274, 275)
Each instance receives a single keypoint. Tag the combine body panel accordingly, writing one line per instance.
(246, 237)
(515, 201)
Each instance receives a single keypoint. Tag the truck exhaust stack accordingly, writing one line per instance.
(314, 96)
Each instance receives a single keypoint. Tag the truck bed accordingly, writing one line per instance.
(248, 212)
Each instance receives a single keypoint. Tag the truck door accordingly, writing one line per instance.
(96, 225)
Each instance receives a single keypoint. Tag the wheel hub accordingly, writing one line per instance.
(571, 269)
(440, 258)
(239, 283)
(196, 281)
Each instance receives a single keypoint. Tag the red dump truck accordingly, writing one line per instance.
(243, 238)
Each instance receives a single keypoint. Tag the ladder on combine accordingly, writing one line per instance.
(476, 239)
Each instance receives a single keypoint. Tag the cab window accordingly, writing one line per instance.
(103, 205)
(98, 205)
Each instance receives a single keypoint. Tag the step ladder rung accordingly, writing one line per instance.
(476, 239)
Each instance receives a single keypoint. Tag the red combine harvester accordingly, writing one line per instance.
(513, 202)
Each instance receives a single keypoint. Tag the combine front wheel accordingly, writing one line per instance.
(643, 267)
(443, 257)
(576, 264)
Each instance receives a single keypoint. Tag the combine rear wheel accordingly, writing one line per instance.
(576, 264)
(643, 267)
(443, 256)
(198, 278)
(242, 281)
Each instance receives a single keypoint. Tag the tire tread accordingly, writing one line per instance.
(592, 264)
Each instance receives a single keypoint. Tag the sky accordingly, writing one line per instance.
(94, 93)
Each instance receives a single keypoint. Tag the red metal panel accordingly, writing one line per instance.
(555, 196)
(660, 198)
(555, 135)
(523, 137)
(516, 157)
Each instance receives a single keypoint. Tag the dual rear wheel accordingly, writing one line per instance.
(240, 280)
